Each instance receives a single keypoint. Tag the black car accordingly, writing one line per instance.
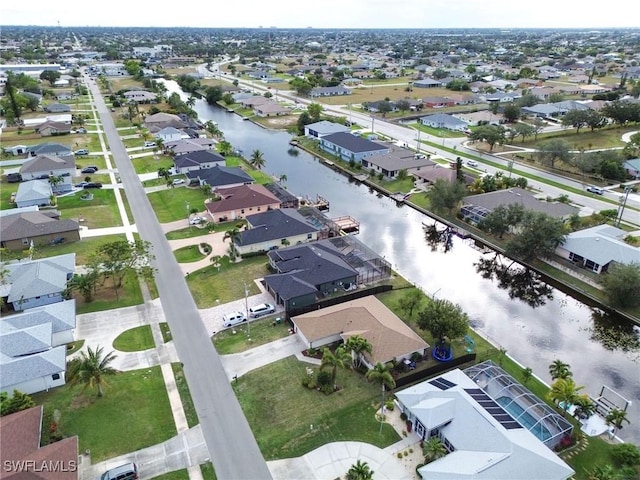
(89, 170)
(93, 185)
(14, 177)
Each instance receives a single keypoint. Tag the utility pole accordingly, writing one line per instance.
(418, 142)
(623, 204)
(246, 308)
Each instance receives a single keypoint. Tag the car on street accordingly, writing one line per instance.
(93, 185)
(82, 151)
(258, 311)
(178, 181)
(472, 163)
(594, 189)
(89, 169)
(233, 318)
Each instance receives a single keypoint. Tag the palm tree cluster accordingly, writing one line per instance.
(90, 369)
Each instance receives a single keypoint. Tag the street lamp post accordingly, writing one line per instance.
(246, 309)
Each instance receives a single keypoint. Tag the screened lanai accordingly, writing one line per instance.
(526, 408)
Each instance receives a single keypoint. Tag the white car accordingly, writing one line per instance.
(233, 318)
(196, 220)
(178, 181)
(472, 163)
(260, 310)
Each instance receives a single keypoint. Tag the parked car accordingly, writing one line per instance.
(93, 185)
(178, 181)
(82, 151)
(14, 177)
(89, 169)
(79, 130)
(149, 144)
(196, 220)
(128, 471)
(260, 310)
(233, 318)
(81, 184)
(594, 189)
(472, 163)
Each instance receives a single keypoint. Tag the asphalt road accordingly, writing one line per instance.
(230, 441)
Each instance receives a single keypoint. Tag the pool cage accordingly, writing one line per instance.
(525, 407)
(370, 266)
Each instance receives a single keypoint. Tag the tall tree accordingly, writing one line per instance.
(84, 283)
(616, 418)
(559, 369)
(357, 345)
(19, 401)
(381, 373)
(360, 471)
(91, 368)
(341, 358)
(410, 300)
(445, 196)
(621, 285)
(443, 319)
(225, 148)
(538, 237)
(315, 110)
(257, 159)
(564, 392)
(553, 150)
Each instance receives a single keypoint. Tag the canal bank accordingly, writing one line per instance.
(482, 241)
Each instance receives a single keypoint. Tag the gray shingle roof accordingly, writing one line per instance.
(325, 127)
(17, 342)
(31, 367)
(221, 176)
(519, 196)
(40, 277)
(48, 163)
(602, 244)
(274, 224)
(352, 143)
(61, 316)
(198, 158)
(33, 224)
(33, 190)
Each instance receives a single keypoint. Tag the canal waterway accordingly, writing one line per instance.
(563, 328)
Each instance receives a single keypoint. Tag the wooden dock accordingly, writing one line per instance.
(347, 224)
(320, 202)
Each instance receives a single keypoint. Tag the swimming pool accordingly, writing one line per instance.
(525, 419)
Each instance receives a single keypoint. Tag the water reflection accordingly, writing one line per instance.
(613, 333)
(438, 238)
(522, 283)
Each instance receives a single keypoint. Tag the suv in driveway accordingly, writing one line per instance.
(82, 151)
(233, 318)
(594, 189)
(89, 169)
(260, 310)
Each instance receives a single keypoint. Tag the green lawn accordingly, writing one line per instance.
(185, 395)
(258, 333)
(208, 284)
(100, 212)
(609, 137)
(134, 413)
(105, 298)
(182, 474)
(190, 253)
(74, 346)
(150, 164)
(280, 410)
(171, 204)
(208, 473)
(193, 231)
(83, 248)
(135, 339)
(166, 332)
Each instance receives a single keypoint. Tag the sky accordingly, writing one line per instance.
(324, 14)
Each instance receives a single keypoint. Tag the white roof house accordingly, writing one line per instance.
(483, 439)
(596, 247)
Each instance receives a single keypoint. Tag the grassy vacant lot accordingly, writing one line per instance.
(185, 395)
(190, 253)
(258, 175)
(609, 137)
(83, 248)
(170, 205)
(134, 402)
(135, 339)
(100, 212)
(150, 163)
(280, 410)
(210, 284)
(260, 332)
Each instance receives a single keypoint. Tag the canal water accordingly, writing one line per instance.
(563, 328)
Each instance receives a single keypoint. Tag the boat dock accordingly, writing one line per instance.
(320, 202)
(347, 224)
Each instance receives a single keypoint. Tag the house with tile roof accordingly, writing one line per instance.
(33, 283)
(275, 229)
(481, 437)
(160, 120)
(240, 201)
(597, 248)
(20, 440)
(49, 129)
(366, 317)
(351, 147)
(17, 231)
(389, 164)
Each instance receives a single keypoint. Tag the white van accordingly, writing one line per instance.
(260, 310)
(149, 144)
(233, 318)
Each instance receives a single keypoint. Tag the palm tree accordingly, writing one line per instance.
(559, 369)
(564, 391)
(605, 472)
(381, 373)
(360, 471)
(164, 173)
(191, 101)
(55, 180)
(341, 358)
(233, 235)
(282, 178)
(90, 369)
(527, 373)
(257, 159)
(584, 407)
(225, 148)
(357, 346)
(615, 418)
(433, 449)
(85, 284)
